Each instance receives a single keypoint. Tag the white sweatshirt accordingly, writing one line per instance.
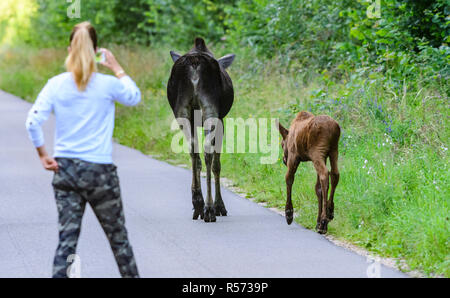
(84, 120)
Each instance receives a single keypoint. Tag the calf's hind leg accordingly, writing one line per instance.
(322, 172)
(292, 165)
(319, 201)
(334, 175)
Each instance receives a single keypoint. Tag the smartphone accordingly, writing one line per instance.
(100, 57)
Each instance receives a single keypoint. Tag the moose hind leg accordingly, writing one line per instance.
(211, 126)
(185, 117)
(197, 197)
(210, 214)
(219, 206)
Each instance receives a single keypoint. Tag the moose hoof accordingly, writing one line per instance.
(197, 213)
(210, 214)
(197, 201)
(330, 214)
(289, 216)
(220, 210)
(322, 227)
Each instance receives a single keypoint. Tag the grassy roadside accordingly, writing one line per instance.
(393, 196)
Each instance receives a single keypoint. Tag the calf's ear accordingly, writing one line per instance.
(283, 131)
(226, 60)
(175, 56)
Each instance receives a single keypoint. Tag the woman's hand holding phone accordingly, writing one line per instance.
(111, 63)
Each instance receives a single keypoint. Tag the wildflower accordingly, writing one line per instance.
(360, 224)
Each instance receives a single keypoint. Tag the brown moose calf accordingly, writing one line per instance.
(312, 138)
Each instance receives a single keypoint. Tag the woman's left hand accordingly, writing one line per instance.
(49, 163)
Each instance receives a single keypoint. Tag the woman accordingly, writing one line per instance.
(83, 103)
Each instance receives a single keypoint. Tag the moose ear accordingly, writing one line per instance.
(283, 131)
(175, 56)
(226, 60)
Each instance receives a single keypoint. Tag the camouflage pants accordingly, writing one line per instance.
(76, 183)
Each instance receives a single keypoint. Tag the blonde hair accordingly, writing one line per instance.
(81, 59)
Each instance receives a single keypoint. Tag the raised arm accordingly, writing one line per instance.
(38, 113)
(127, 92)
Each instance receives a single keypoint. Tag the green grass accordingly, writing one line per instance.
(393, 196)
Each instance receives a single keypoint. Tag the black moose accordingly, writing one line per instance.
(199, 84)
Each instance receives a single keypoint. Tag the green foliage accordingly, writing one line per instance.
(301, 33)
(339, 34)
(139, 21)
(15, 20)
(180, 21)
(405, 38)
(52, 26)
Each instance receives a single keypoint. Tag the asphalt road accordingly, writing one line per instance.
(251, 242)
